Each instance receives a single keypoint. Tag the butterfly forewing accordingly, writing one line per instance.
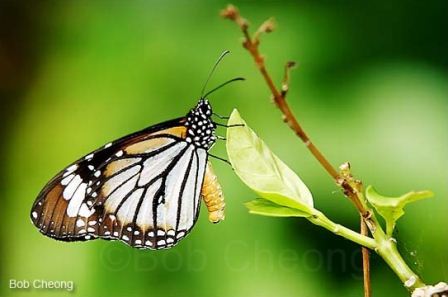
(142, 189)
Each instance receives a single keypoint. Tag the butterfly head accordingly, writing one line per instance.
(200, 127)
(204, 108)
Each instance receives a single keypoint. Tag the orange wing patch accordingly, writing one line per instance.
(43, 212)
(179, 131)
(119, 165)
(149, 145)
(213, 197)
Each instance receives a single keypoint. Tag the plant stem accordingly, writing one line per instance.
(384, 245)
(318, 218)
(251, 44)
(365, 261)
(387, 249)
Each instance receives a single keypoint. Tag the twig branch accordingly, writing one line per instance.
(252, 44)
(383, 244)
(350, 186)
(365, 262)
(285, 82)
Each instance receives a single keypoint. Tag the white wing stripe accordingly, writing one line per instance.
(145, 217)
(76, 201)
(118, 195)
(202, 156)
(67, 179)
(188, 199)
(155, 165)
(167, 212)
(127, 210)
(70, 189)
(119, 179)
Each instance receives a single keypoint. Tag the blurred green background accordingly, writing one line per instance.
(371, 88)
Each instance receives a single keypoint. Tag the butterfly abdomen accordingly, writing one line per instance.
(213, 196)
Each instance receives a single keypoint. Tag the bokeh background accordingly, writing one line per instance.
(371, 88)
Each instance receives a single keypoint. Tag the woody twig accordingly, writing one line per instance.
(350, 186)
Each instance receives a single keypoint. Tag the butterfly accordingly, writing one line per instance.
(143, 189)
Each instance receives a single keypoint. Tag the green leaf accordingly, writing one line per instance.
(265, 207)
(392, 208)
(261, 170)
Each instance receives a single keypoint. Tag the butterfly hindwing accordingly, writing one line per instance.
(154, 202)
(142, 189)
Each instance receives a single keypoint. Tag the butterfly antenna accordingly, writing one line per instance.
(213, 70)
(222, 85)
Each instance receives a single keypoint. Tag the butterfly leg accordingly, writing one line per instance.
(219, 158)
(228, 126)
(220, 116)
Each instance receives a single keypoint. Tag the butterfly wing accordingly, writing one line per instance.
(142, 189)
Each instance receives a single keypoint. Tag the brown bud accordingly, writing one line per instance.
(268, 26)
(246, 43)
(290, 64)
(244, 24)
(345, 167)
(230, 12)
